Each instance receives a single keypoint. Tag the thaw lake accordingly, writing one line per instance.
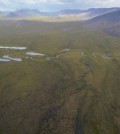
(65, 50)
(16, 48)
(34, 54)
(4, 60)
(10, 58)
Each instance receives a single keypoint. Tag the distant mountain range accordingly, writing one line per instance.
(23, 13)
(63, 15)
(105, 19)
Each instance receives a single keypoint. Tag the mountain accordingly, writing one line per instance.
(32, 12)
(58, 16)
(28, 12)
(105, 20)
(92, 11)
(101, 11)
(82, 15)
(23, 13)
(71, 11)
(109, 22)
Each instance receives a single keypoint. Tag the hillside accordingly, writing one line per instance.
(105, 20)
(108, 23)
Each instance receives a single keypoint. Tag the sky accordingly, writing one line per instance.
(55, 5)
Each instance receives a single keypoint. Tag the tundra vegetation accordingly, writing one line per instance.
(74, 88)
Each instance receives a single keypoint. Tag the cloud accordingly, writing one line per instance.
(56, 4)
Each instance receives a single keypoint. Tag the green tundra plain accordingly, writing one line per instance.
(73, 89)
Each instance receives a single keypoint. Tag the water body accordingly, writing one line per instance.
(16, 48)
(34, 54)
(4, 60)
(65, 50)
(10, 58)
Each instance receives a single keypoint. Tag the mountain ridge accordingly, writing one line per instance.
(29, 12)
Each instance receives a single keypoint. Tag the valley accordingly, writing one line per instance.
(59, 77)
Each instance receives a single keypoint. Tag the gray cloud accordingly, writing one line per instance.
(57, 4)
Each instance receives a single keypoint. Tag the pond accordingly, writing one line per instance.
(10, 58)
(16, 48)
(4, 60)
(34, 54)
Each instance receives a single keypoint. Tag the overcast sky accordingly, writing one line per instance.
(54, 5)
